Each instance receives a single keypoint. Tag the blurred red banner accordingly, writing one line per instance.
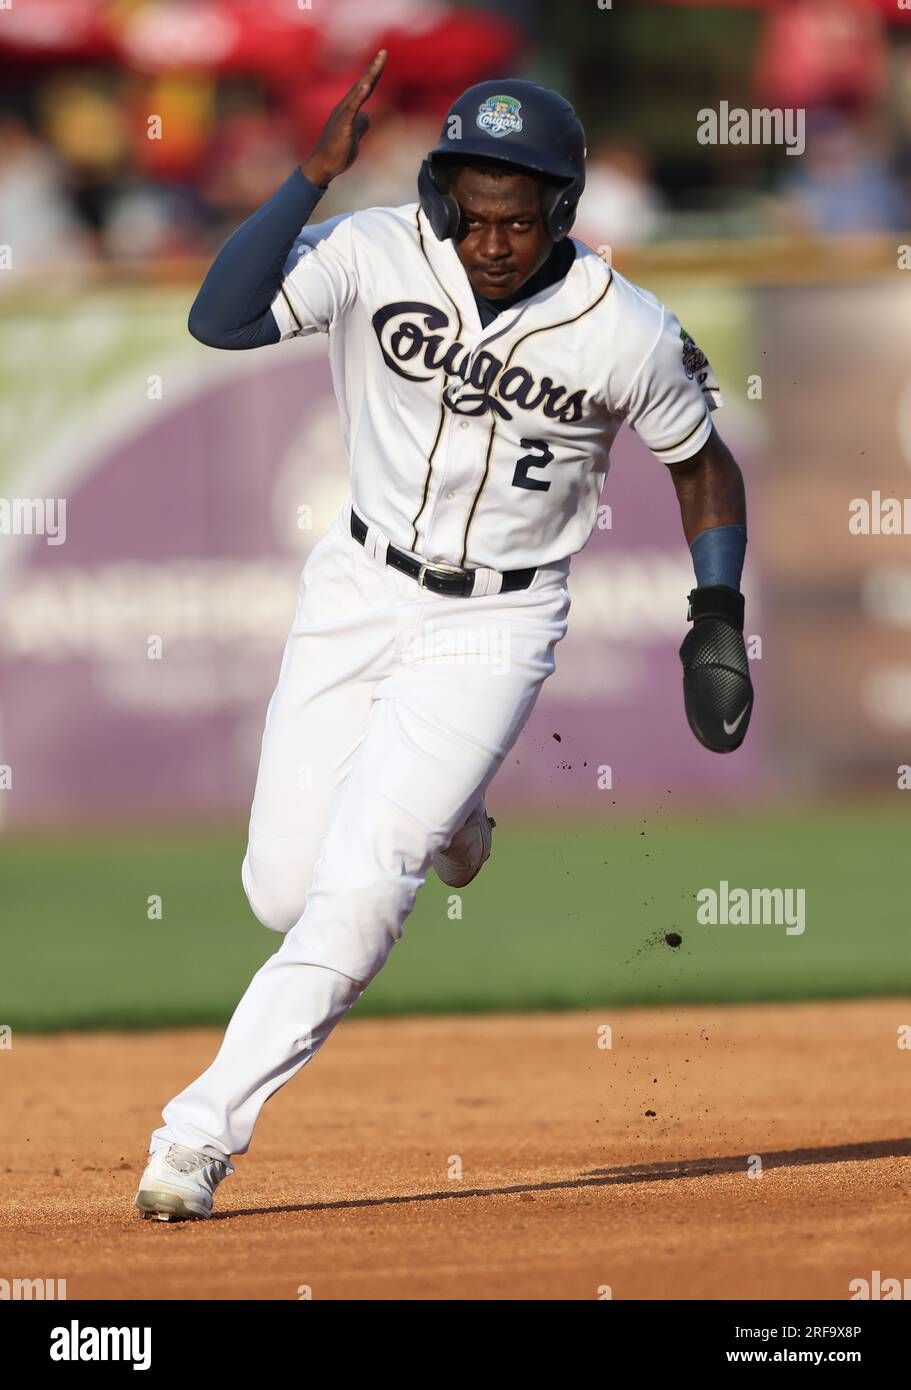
(431, 45)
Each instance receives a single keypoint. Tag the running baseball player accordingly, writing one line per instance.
(483, 361)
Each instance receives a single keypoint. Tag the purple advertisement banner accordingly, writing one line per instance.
(140, 643)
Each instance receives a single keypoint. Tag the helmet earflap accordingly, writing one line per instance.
(440, 208)
(559, 206)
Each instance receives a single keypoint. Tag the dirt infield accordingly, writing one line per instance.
(568, 1183)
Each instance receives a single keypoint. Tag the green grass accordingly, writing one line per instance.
(565, 915)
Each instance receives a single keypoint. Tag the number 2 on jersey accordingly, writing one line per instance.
(541, 459)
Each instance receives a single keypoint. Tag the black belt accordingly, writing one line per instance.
(439, 581)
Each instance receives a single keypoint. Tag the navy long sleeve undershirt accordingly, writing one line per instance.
(233, 307)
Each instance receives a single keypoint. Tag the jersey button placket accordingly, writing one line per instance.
(462, 425)
(452, 529)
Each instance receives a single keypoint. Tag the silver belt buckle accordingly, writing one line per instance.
(440, 568)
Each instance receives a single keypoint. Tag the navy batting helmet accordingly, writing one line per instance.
(516, 123)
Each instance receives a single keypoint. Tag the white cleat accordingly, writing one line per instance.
(462, 860)
(178, 1184)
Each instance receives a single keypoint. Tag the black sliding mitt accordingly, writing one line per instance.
(717, 691)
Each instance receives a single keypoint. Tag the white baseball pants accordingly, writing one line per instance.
(393, 710)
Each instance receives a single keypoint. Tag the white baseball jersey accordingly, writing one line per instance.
(487, 446)
(484, 447)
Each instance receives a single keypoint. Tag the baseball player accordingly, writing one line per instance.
(483, 362)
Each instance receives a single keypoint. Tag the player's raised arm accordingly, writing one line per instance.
(234, 306)
(337, 148)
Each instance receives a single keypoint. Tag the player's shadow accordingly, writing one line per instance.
(669, 1171)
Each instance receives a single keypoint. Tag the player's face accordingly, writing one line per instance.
(502, 239)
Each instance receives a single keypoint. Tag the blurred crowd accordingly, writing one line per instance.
(148, 129)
